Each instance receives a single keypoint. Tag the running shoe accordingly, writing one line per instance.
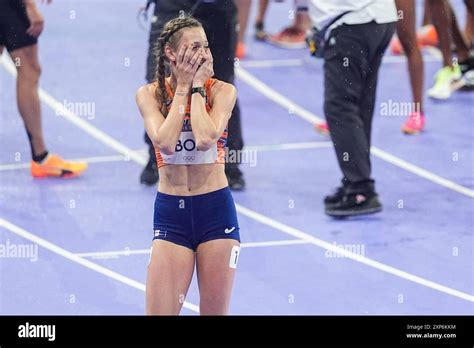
(445, 78)
(322, 128)
(260, 34)
(289, 38)
(235, 177)
(414, 124)
(240, 50)
(355, 204)
(55, 166)
(150, 174)
(467, 71)
(333, 199)
(426, 36)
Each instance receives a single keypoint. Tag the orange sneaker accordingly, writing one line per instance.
(396, 46)
(322, 128)
(55, 166)
(427, 36)
(289, 38)
(240, 50)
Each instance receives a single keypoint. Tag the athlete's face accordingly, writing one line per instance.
(191, 37)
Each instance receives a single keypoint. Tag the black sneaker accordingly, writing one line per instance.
(235, 178)
(149, 175)
(467, 71)
(355, 204)
(260, 34)
(335, 198)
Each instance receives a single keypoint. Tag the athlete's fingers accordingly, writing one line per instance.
(187, 55)
(196, 57)
(181, 53)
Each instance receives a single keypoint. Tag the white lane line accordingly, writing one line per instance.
(96, 159)
(76, 120)
(122, 158)
(83, 262)
(356, 257)
(434, 55)
(128, 252)
(285, 228)
(269, 63)
(307, 115)
(291, 146)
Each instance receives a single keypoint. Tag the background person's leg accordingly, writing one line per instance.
(169, 274)
(221, 32)
(244, 11)
(29, 70)
(149, 175)
(215, 275)
(260, 20)
(344, 73)
(406, 31)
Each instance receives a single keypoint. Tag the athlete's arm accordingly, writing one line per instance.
(164, 133)
(208, 127)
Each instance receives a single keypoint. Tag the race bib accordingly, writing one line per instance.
(186, 152)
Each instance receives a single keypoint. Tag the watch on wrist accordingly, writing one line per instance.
(200, 90)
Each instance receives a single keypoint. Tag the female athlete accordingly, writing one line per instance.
(195, 220)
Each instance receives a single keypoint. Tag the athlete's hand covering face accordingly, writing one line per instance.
(205, 70)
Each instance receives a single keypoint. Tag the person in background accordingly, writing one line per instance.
(21, 23)
(453, 71)
(219, 20)
(359, 32)
(291, 37)
(294, 36)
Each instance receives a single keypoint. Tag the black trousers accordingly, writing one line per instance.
(351, 64)
(219, 20)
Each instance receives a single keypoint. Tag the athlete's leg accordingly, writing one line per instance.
(462, 47)
(469, 28)
(29, 70)
(216, 261)
(440, 15)
(262, 11)
(169, 274)
(406, 31)
(427, 14)
(243, 11)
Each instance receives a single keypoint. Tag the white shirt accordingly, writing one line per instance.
(323, 12)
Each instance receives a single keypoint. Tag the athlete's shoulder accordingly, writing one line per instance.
(146, 94)
(148, 89)
(218, 86)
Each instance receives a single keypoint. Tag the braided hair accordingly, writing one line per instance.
(170, 35)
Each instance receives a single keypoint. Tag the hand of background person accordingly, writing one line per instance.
(35, 17)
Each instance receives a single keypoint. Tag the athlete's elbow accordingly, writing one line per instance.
(166, 149)
(204, 144)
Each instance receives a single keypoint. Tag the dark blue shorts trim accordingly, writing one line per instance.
(192, 220)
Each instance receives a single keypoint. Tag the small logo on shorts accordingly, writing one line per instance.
(229, 230)
(160, 233)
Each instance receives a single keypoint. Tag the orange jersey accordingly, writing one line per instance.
(186, 152)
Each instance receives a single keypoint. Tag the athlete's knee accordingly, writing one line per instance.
(27, 63)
